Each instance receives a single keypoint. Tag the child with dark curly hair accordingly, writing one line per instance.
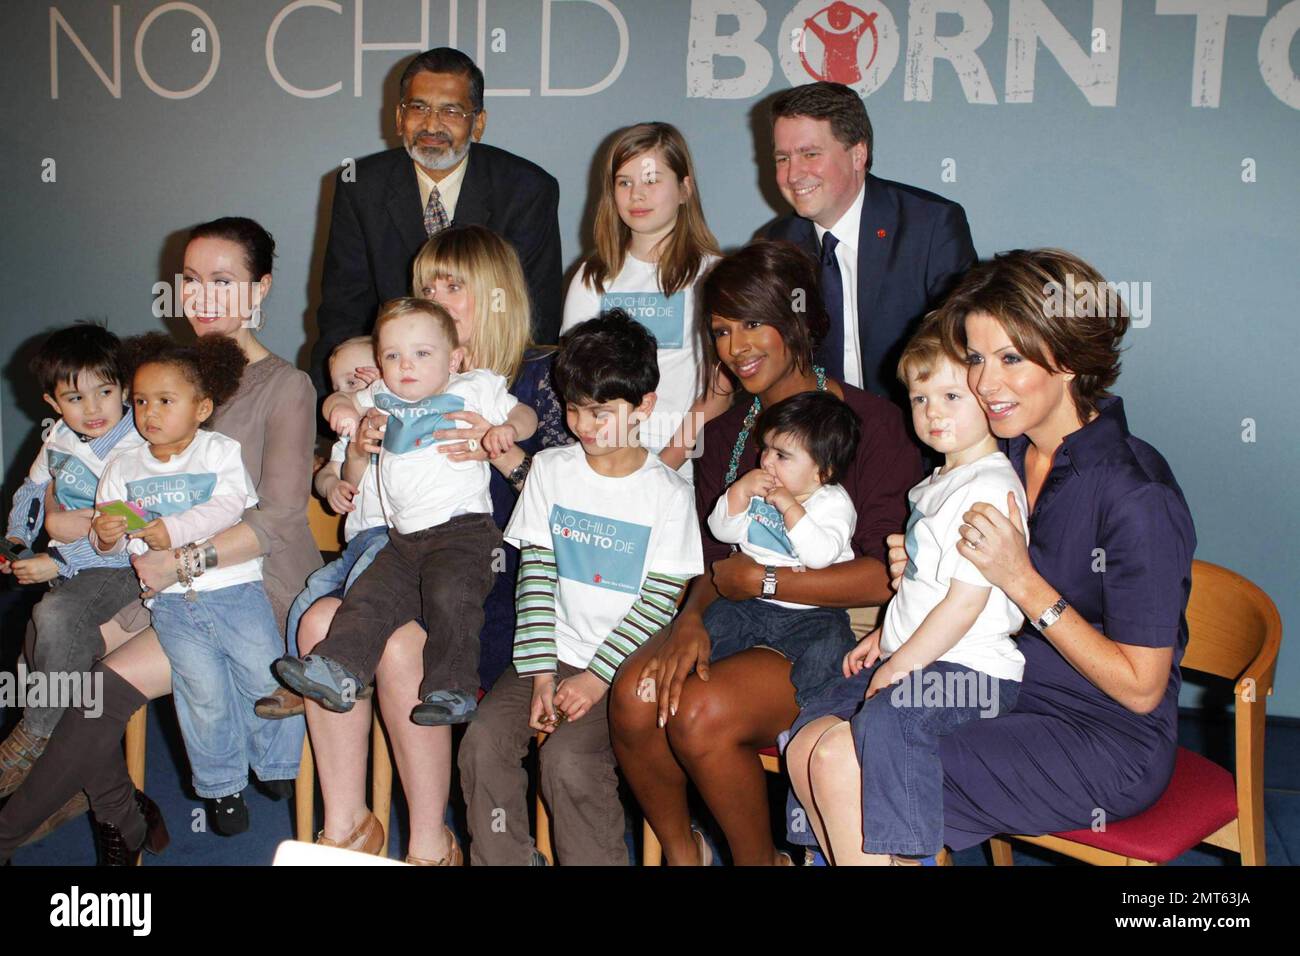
(215, 624)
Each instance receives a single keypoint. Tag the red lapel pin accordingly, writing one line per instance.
(880, 234)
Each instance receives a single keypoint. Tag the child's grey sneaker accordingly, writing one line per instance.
(325, 681)
(444, 707)
(537, 859)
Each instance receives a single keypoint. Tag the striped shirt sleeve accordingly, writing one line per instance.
(81, 555)
(651, 612)
(20, 525)
(534, 650)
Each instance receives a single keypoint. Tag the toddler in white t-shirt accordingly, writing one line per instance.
(792, 512)
(438, 565)
(945, 650)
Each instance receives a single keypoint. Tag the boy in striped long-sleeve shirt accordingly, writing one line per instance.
(609, 539)
(77, 369)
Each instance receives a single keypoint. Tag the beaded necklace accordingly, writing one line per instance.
(752, 417)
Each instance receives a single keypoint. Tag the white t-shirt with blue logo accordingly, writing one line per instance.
(368, 510)
(212, 466)
(419, 486)
(68, 462)
(671, 318)
(607, 535)
(938, 503)
(822, 537)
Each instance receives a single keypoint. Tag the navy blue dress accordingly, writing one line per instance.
(533, 388)
(1068, 749)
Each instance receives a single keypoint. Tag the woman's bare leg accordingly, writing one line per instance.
(837, 792)
(720, 726)
(340, 742)
(139, 660)
(649, 767)
(422, 754)
(798, 756)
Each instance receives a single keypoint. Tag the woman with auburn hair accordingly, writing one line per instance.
(676, 713)
(476, 276)
(1103, 582)
(652, 248)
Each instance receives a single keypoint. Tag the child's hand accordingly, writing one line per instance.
(370, 434)
(498, 440)
(864, 655)
(367, 373)
(109, 529)
(34, 570)
(578, 694)
(340, 497)
(755, 484)
(344, 420)
(541, 712)
(897, 545)
(154, 534)
(779, 497)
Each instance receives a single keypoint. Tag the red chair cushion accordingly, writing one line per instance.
(1201, 798)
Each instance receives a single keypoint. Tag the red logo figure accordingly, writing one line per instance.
(596, 579)
(840, 42)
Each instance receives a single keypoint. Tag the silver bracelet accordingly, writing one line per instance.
(209, 555)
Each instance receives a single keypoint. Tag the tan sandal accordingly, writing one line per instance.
(454, 857)
(368, 837)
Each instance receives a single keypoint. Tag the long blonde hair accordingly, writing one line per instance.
(480, 259)
(689, 243)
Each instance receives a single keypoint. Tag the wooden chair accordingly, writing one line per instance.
(1234, 631)
(862, 620)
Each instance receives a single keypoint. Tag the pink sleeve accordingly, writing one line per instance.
(203, 521)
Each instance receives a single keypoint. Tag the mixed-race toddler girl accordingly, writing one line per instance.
(215, 624)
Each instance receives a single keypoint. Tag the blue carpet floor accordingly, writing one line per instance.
(272, 821)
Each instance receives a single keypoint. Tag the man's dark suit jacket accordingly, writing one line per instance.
(377, 228)
(912, 247)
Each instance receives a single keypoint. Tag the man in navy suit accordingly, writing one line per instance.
(442, 175)
(889, 253)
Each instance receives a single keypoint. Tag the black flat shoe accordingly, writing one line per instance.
(279, 789)
(228, 815)
(112, 846)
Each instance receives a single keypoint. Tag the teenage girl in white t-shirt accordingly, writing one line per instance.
(652, 247)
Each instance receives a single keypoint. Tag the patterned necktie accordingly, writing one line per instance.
(435, 214)
(832, 348)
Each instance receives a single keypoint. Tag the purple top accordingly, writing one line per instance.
(1112, 533)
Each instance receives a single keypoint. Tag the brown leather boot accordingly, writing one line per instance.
(18, 753)
(75, 807)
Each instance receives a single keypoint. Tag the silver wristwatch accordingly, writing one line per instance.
(1051, 615)
(769, 581)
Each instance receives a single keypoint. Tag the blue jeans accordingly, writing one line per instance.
(815, 639)
(335, 578)
(897, 734)
(221, 646)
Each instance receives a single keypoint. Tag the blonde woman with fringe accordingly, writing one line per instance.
(652, 246)
(476, 276)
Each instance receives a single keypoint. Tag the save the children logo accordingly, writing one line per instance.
(663, 315)
(600, 551)
(856, 44)
(411, 425)
(74, 482)
(767, 528)
(170, 494)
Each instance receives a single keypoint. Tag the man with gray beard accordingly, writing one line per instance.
(393, 201)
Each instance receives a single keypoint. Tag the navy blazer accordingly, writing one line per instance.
(913, 245)
(377, 228)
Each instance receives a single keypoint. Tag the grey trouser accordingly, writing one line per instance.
(66, 636)
(579, 785)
